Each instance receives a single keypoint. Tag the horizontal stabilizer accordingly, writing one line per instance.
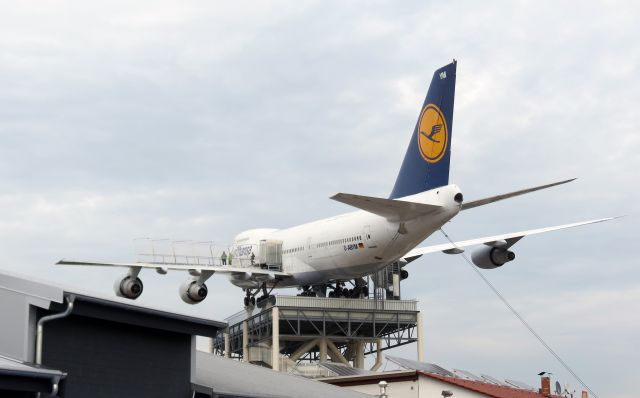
(491, 199)
(504, 241)
(391, 209)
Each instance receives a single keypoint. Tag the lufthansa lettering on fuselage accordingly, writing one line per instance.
(244, 250)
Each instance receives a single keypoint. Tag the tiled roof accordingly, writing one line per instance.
(491, 390)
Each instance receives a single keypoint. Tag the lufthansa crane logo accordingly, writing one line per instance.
(433, 134)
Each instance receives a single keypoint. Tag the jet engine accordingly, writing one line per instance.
(128, 287)
(192, 292)
(492, 257)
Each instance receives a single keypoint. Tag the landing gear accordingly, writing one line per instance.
(307, 292)
(250, 297)
(358, 289)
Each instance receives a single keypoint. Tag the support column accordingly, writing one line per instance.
(275, 343)
(322, 346)
(358, 359)
(420, 338)
(335, 354)
(379, 356)
(245, 341)
(227, 343)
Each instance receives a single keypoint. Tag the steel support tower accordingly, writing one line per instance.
(290, 330)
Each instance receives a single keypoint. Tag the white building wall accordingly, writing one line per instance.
(400, 389)
(424, 387)
(431, 388)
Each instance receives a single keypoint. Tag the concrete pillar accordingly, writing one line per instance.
(379, 356)
(275, 343)
(358, 359)
(227, 344)
(335, 353)
(322, 346)
(304, 348)
(420, 338)
(245, 341)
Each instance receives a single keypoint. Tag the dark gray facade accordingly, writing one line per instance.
(107, 348)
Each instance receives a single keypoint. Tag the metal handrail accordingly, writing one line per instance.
(322, 303)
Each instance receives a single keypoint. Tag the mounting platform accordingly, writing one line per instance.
(289, 330)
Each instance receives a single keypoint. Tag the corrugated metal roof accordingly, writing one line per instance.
(230, 377)
(344, 370)
(422, 366)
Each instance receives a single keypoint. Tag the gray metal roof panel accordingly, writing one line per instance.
(343, 370)
(519, 384)
(467, 375)
(492, 380)
(30, 286)
(421, 366)
(14, 367)
(231, 377)
(51, 292)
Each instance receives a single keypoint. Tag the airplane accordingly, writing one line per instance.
(320, 256)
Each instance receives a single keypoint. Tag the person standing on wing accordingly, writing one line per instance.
(224, 258)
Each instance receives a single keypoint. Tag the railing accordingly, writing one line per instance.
(346, 303)
(185, 252)
(322, 303)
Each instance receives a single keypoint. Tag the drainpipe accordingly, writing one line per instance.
(48, 318)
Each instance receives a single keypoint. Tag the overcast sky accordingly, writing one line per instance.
(198, 120)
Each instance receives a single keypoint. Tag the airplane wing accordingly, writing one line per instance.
(503, 241)
(491, 199)
(192, 268)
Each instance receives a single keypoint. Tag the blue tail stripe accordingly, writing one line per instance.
(426, 163)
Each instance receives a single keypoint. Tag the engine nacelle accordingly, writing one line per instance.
(192, 293)
(492, 257)
(128, 287)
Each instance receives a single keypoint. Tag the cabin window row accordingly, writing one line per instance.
(339, 241)
(294, 250)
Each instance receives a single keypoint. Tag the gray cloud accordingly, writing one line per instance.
(197, 120)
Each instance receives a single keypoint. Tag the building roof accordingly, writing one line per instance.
(488, 389)
(227, 377)
(49, 296)
(14, 367)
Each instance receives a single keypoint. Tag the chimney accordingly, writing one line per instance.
(585, 394)
(545, 388)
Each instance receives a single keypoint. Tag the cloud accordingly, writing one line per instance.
(196, 120)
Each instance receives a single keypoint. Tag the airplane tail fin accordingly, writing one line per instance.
(426, 163)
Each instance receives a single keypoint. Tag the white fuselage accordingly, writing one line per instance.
(350, 245)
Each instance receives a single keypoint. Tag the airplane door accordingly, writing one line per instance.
(366, 237)
(309, 247)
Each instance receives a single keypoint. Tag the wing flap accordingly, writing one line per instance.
(391, 209)
(510, 239)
